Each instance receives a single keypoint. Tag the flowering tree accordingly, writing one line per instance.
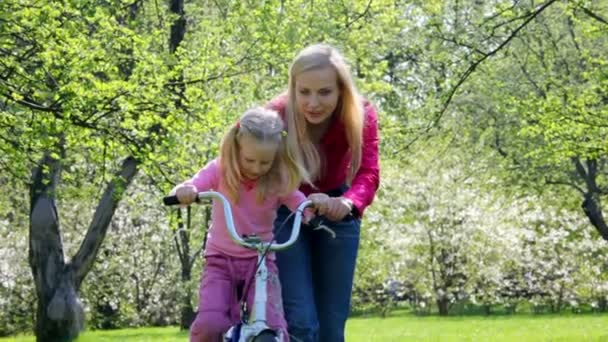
(448, 229)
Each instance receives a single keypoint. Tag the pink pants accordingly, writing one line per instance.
(223, 281)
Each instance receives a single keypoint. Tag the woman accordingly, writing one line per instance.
(333, 132)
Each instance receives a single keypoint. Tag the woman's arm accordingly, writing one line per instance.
(367, 179)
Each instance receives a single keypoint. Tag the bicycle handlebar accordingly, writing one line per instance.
(172, 200)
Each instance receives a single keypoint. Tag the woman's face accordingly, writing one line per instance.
(317, 94)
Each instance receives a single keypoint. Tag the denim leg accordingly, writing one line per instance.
(296, 282)
(333, 267)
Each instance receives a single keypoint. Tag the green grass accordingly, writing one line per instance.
(170, 334)
(407, 327)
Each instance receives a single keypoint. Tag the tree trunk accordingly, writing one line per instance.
(443, 306)
(487, 309)
(560, 300)
(178, 30)
(187, 311)
(187, 261)
(592, 205)
(59, 314)
(593, 209)
(603, 304)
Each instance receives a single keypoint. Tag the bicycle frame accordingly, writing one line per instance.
(256, 323)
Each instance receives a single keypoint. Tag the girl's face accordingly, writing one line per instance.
(317, 94)
(255, 158)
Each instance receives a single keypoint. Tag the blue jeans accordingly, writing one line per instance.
(316, 276)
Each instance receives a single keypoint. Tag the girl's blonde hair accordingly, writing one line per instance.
(349, 110)
(265, 126)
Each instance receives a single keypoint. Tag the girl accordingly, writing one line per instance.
(257, 175)
(333, 132)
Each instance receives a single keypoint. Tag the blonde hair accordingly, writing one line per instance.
(349, 110)
(265, 126)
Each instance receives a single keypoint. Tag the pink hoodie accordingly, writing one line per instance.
(335, 150)
(249, 216)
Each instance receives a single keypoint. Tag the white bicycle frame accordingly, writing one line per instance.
(257, 321)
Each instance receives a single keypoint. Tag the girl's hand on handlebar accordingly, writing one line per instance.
(318, 201)
(186, 194)
(307, 215)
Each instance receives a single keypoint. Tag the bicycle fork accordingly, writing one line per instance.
(257, 322)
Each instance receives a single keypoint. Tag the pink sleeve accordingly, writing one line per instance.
(293, 200)
(207, 178)
(366, 181)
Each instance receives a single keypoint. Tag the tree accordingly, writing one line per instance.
(548, 120)
(74, 79)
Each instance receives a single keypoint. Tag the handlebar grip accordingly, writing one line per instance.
(170, 200)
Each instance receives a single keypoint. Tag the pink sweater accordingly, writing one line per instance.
(334, 148)
(250, 217)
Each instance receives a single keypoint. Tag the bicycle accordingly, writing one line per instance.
(253, 326)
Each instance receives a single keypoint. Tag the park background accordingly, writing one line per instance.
(494, 138)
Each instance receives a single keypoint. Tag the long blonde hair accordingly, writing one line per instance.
(265, 126)
(349, 110)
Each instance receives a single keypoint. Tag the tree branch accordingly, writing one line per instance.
(358, 17)
(180, 226)
(470, 71)
(84, 258)
(474, 66)
(594, 16)
(573, 185)
(205, 80)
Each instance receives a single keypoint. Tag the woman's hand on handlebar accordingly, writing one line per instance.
(318, 199)
(186, 194)
(334, 208)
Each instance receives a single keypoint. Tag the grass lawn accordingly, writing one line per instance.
(407, 327)
(480, 328)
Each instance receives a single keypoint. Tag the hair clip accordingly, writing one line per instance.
(238, 125)
(284, 133)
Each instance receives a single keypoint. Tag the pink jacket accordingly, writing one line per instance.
(334, 147)
(249, 216)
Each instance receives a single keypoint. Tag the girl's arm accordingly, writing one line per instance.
(206, 179)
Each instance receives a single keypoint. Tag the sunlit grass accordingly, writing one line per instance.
(169, 334)
(407, 327)
(480, 328)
